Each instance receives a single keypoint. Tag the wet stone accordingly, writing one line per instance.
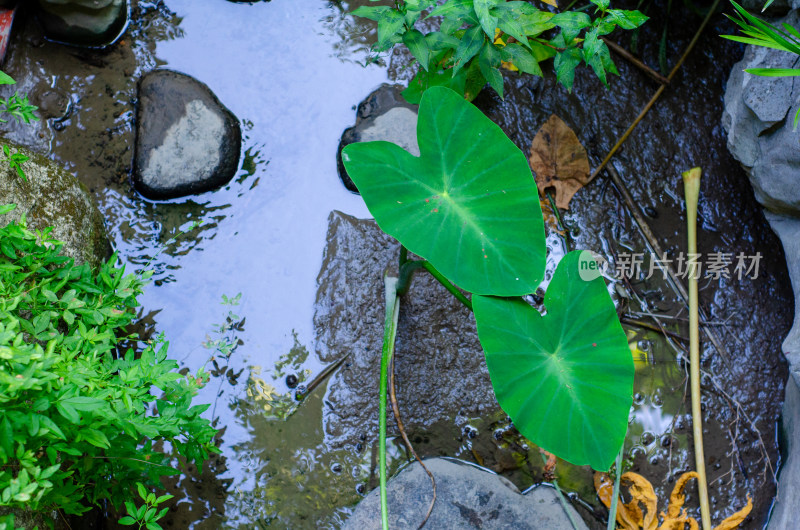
(788, 229)
(439, 364)
(187, 142)
(53, 197)
(383, 116)
(83, 22)
(758, 117)
(466, 497)
(784, 514)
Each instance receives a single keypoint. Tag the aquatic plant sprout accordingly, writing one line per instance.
(469, 206)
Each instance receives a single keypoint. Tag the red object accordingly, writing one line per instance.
(6, 20)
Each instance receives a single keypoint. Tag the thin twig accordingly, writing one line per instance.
(396, 412)
(631, 58)
(658, 93)
(652, 327)
(328, 370)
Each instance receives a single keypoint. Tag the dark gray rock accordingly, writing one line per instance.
(467, 497)
(187, 142)
(758, 117)
(784, 512)
(788, 229)
(53, 197)
(83, 22)
(440, 366)
(383, 115)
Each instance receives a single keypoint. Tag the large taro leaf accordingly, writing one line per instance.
(468, 203)
(565, 378)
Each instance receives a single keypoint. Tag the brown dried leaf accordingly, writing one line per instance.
(550, 466)
(559, 161)
(733, 522)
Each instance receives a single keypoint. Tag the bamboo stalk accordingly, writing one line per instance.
(691, 182)
(652, 241)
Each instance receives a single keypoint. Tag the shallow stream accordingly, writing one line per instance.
(293, 72)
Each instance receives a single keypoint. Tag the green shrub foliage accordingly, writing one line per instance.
(80, 419)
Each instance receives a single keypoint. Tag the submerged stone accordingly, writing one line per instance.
(53, 197)
(466, 497)
(187, 142)
(439, 363)
(83, 22)
(383, 116)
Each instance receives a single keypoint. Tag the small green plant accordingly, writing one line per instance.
(147, 515)
(469, 207)
(81, 419)
(18, 108)
(761, 33)
(477, 37)
(15, 161)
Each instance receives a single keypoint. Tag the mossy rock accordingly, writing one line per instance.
(30, 520)
(53, 197)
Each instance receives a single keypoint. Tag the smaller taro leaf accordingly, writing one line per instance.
(468, 204)
(565, 378)
(559, 161)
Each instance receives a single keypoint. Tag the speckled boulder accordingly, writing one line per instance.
(53, 197)
(383, 116)
(187, 142)
(467, 497)
(83, 22)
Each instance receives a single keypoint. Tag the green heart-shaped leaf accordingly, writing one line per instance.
(468, 203)
(565, 378)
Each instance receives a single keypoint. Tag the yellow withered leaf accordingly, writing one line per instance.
(733, 522)
(631, 516)
(559, 161)
(550, 3)
(626, 519)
